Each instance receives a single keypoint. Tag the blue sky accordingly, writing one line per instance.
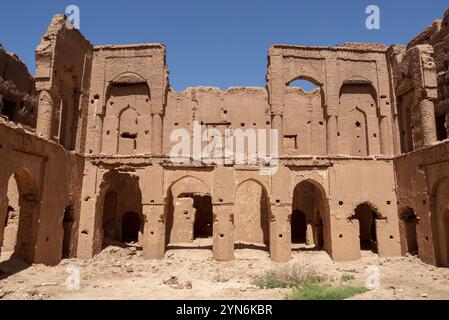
(219, 43)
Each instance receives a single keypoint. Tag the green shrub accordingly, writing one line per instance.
(347, 277)
(320, 291)
(290, 276)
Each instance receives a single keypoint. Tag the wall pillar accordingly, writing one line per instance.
(44, 125)
(99, 118)
(384, 136)
(280, 234)
(309, 234)
(223, 247)
(427, 113)
(276, 124)
(332, 135)
(156, 137)
(154, 244)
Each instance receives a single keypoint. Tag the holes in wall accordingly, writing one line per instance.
(340, 203)
(340, 236)
(358, 124)
(291, 142)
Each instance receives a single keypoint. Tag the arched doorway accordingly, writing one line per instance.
(120, 194)
(20, 233)
(131, 226)
(440, 222)
(409, 221)
(67, 224)
(251, 214)
(309, 211)
(189, 216)
(367, 217)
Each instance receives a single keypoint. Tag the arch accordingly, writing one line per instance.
(253, 180)
(119, 193)
(22, 216)
(309, 198)
(306, 78)
(409, 221)
(200, 185)
(440, 221)
(367, 214)
(127, 78)
(189, 211)
(251, 214)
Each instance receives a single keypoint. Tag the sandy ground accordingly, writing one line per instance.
(191, 273)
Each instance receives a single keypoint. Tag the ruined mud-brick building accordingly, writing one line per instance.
(85, 143)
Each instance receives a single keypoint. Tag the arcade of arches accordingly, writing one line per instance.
(85, 150)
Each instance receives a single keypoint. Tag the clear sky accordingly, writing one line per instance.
(220, 43)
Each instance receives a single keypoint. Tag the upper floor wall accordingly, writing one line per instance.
(356, 97)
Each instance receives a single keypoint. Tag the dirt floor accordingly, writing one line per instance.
(191, 273)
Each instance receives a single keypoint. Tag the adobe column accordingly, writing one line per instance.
(280, 234)
(332, 134)
(223, 247)
(427, 112)
(277, 86)
(332, 97)
(154, 232)
(156, 137)
(45, 114)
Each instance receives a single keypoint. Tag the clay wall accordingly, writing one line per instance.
(41, 180)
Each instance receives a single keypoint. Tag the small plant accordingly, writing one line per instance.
(319, 291)
(346, 277)
(290, 276)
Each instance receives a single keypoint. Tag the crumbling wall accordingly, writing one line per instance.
(346, 115)
(437, 36)
(63, 73)
(17, 101)
(127, 99)
(48, 180)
